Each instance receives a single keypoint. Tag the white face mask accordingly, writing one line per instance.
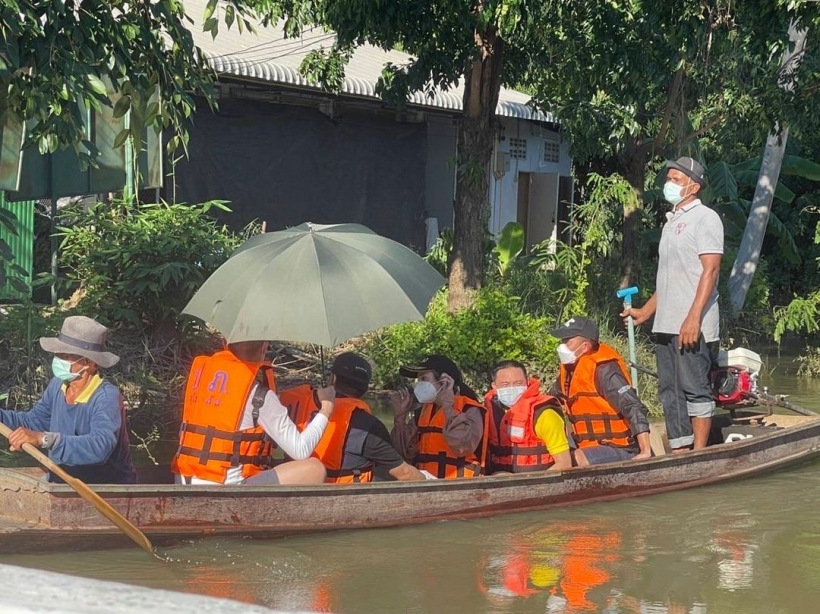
(566, 355)
(509, 395)
(672, 193)
(425, 392)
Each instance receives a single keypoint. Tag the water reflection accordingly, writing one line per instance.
(750, 547)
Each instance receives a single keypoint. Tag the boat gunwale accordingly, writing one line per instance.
(779, 436)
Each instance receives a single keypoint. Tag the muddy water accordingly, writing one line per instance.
(746, 547)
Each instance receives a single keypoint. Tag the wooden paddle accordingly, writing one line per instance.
(89, 495)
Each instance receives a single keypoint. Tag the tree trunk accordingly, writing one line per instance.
(633, 164)
(748, 255)
(476, 132)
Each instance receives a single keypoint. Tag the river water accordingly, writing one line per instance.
(745, 547)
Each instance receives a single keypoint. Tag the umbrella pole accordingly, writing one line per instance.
(322, 358)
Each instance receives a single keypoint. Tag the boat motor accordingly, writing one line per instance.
(734, 377)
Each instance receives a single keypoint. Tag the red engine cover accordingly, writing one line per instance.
(731, 385)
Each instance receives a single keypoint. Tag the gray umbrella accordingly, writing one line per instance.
(315, 284)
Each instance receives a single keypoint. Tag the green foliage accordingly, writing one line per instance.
(494, 329)
(510, 244)
(10, 272)
(809, 363)
(141, 264)
(56, 54)
(801, 315)
(439, 255)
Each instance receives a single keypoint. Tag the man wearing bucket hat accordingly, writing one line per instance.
(685, 306)
(80, 419)
(445, 436)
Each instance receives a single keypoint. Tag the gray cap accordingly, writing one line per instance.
(689, 167)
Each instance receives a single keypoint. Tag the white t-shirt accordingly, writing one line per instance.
(273, 417)
(689, 233)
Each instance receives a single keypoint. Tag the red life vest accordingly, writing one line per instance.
(434, 455)
(210, 441)
(302, 406)
(512, 444)
(594, 420)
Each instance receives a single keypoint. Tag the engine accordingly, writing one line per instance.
(734, 377)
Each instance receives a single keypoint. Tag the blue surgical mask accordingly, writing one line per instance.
(672, 193)
(509, 395)
(62, 370)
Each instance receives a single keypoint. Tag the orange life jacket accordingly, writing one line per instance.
(594, 420)
(210, 441)
(434, 455)
(302, 406)
(512, 444)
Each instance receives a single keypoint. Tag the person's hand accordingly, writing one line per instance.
(401, 401)
(689, 334)
(328, 393)
(20, 436)
(447, 393)
(639, 316)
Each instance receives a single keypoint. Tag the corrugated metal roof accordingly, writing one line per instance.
(269, 56)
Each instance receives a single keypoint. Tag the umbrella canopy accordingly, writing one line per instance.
(315, 284)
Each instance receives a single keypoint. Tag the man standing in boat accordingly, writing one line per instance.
(685, 306)
(232, 418)
(356, 446)
(609, 421)
(440, 427)
(526, 427)
(80, 419)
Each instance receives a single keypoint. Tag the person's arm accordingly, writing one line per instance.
(406, 473)
(463, 430)
(97, 445)
(38, 419)
(550, 428)
(273, 416)
(405, 433)
(377, 449)
(690, 329)
(611, 384)
(642, 314)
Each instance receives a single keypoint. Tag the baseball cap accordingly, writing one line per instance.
(577, 327)
(434, 362)
(352, 368)
(689, 167)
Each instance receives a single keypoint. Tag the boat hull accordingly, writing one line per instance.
(36, 515)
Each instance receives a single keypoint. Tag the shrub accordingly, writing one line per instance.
(141, 264)
(494, 329)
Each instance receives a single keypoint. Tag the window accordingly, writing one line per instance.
(552, 152)
(518, 148)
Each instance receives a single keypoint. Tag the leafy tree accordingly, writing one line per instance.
(486, 43)
(633, 81)
(55, 54)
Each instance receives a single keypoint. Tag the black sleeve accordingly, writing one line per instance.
(612, 385)
(377, 446)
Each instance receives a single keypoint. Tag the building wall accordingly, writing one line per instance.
(440, 170)
(287, 164)
(525, 147)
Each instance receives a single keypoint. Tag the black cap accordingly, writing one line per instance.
(577, 327)
(434, 362)
(352, 368)
(689, 167)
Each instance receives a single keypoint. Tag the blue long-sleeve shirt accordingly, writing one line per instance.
(93, 444)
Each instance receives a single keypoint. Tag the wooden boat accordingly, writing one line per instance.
(37, 515)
